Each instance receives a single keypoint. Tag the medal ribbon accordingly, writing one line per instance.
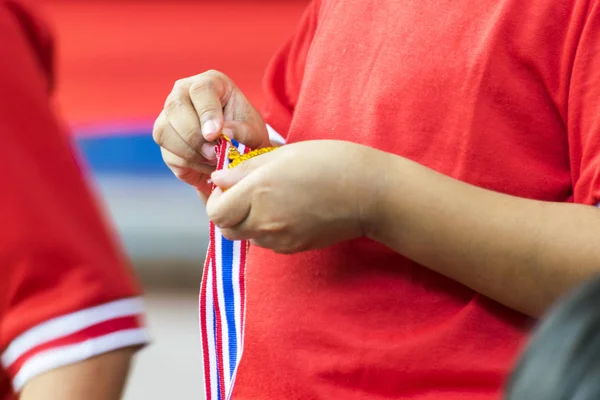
(223, 294)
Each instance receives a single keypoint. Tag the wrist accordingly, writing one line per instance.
(383, 206)
(373, 188)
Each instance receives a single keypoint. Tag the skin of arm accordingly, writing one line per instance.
(522, 253)
(97, 378)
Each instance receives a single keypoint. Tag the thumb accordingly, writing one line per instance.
(227, 210)
(247, 133)
(226, 178)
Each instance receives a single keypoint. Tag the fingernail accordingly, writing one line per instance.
(208, 151)
(210, 128)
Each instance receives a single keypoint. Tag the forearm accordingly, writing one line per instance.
(98, 378)
(519, 252)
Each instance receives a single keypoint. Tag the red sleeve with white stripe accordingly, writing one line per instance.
(74, 337)
(283, 79)
(66, 292)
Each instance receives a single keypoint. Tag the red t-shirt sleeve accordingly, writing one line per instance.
(283, 79)
(66, 293)
(584, 112)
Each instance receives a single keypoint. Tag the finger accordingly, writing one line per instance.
(192, 173)
(173, 160)
(239, 234)
(228, 209)
(166, 137)
(209, 92)
(247, 229)
(247, 133)
(181, 115)
(226, 178)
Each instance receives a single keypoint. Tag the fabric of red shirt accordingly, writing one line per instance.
(66, 292)
(503, 95)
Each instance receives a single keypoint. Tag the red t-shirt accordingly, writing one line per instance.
(503, 95)
(66, 293)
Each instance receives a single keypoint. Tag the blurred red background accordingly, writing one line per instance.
(118, 59)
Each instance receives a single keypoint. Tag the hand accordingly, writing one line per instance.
(196, 112)
(302, 196)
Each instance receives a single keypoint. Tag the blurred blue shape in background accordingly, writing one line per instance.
(122, 150)
(160, 220)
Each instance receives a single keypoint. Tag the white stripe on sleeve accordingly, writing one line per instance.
(67, 324)
(61, 356)
(275, 137)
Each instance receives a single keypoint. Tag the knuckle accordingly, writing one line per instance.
(173, 104)
(190, 135)
(178, 84)
(211, 83)
(181, 84)
(158, 133)
(263, 192)
(201, 86)
(206, 111)
(216, 74)
(275, 227)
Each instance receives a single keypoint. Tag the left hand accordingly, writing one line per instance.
(302, 196)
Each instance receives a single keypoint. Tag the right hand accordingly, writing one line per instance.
(196, 112)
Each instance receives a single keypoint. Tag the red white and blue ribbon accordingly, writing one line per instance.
(222, 304)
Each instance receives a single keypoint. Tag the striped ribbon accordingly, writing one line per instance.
(222, 303)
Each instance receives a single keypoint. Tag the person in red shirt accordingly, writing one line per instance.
(70, 309)
(436, 192)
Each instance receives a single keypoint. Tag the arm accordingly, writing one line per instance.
(98, 378)
(521, 253)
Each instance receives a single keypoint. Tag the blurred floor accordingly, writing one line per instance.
(171, 367)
